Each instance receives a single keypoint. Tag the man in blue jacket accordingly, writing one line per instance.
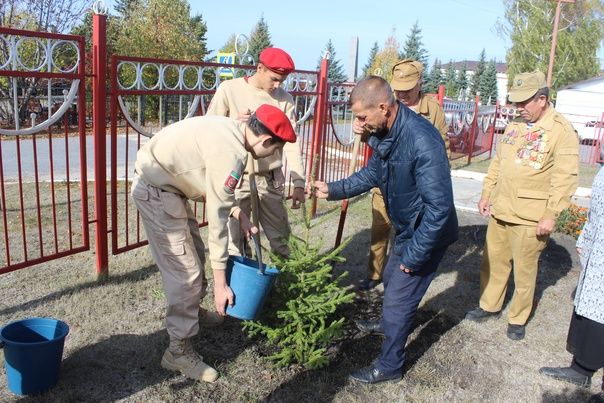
(410, 166)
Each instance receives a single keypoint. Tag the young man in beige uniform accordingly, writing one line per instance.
(185, 162)
(406, 83)
(530, 181)
(237, 98)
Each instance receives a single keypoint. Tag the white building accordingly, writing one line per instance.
(582, 102)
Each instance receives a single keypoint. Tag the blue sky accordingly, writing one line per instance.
(451, 29)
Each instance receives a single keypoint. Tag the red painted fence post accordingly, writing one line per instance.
(441, 95)
(99, 115)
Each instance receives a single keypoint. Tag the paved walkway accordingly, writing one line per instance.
(467, 186)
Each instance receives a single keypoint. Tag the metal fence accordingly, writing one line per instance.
(43, 167)
(43, 149)
(590, 129)
(150, 93)
(471, 127)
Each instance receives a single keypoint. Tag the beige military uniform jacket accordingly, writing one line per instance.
(534, 172)
(186, 158)
(234, 97)
(429, 108)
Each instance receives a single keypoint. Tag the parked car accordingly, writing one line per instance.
(592, 130)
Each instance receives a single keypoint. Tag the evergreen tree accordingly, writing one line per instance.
(302, 319)
(260, 38)
(335, 74)
(461, 79)
(199, 30)
(372, 54)
(488, 84)
(414, 48)
(451, 81)
(434, 78)
(478, 73)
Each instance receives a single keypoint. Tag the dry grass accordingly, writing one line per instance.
(117, 336)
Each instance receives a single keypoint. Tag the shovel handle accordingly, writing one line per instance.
(255, 242)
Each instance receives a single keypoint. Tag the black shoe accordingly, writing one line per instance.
(371, 374)
(479, 315)
(516, 332)
(567, 374)
(597, 398)
(368, 284)
(370, 326)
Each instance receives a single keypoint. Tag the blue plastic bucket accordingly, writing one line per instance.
(249, 286)
(32, 353)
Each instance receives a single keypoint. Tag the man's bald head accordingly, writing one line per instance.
(372, 91)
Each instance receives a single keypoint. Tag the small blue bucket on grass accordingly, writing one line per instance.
(250, 285)
(33, 349)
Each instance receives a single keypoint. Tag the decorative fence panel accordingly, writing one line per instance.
(43, 165)
(471, 127)
(148, 94)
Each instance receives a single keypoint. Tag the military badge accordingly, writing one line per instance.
(231, 182)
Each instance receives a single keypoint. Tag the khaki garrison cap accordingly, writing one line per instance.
(525, 85)
(406, 74)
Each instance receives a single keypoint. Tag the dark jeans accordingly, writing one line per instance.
(402, 295)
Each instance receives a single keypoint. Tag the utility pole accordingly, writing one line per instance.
(552, 52)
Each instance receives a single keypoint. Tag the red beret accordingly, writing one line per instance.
(275, 120)
(277, 60)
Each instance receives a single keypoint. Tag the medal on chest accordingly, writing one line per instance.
(509, 137)
(531, 150)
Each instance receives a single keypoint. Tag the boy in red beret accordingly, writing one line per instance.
(185, 162)
(236, 98)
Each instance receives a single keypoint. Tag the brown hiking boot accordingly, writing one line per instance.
(209, 318)
(180, 356)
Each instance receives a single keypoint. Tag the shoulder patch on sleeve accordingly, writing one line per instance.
(230, 184)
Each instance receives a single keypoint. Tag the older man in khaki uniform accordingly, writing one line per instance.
(237, 98)
(182, 162)
(406, 83)
(530, 181)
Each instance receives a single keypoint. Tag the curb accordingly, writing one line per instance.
(479, 176)
(467, 209)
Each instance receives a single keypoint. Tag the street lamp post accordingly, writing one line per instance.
(552, 52)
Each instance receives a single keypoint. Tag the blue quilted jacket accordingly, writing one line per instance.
(410, 166)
